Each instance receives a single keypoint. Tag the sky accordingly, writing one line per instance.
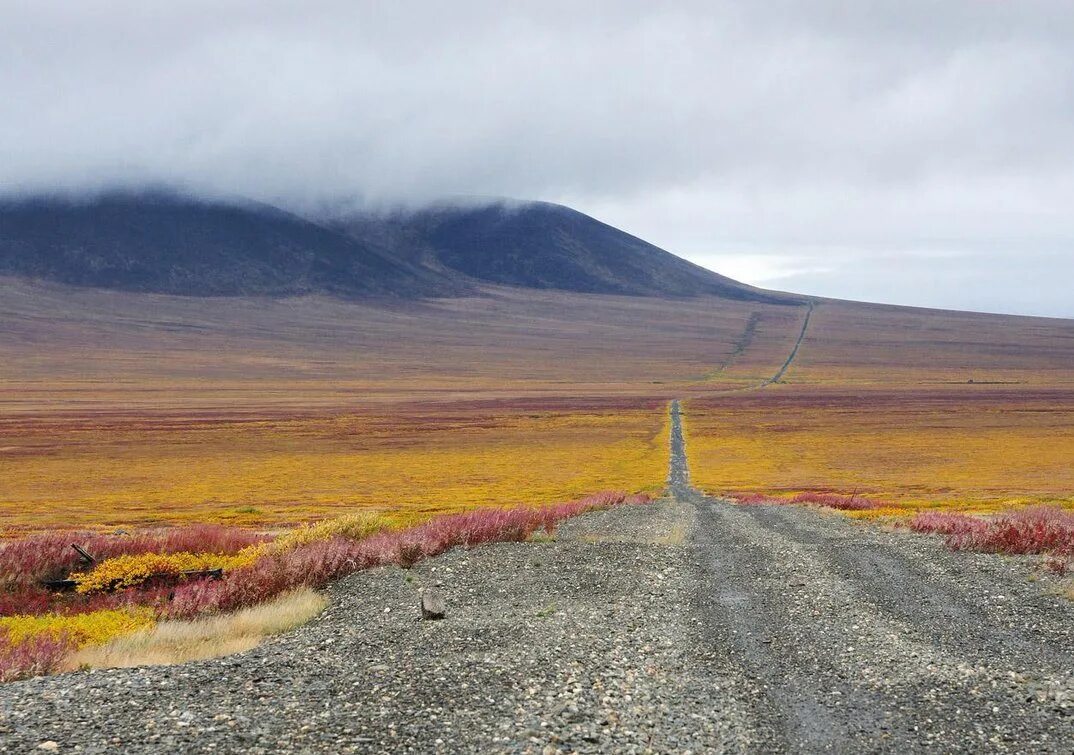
(910, 151)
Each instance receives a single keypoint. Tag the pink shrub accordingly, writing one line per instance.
(318, 563)
(836, 501)
(48, 556)
(35, 600)
(945, 523)
(1039, 529)
(39, 655)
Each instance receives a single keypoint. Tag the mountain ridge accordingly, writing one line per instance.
(542, 245)
(170, 243)
(163, 242)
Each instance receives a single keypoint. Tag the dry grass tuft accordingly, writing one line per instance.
(180, 641)
(675, 535)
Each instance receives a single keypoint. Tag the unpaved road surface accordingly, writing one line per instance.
(686, 625)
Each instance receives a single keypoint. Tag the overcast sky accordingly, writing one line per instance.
(909, 151)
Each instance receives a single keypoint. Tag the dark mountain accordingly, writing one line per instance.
(546, 246)
(171, 244)
(166, 243)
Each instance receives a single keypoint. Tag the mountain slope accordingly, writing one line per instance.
(545, 246)
(170, 244)
(166, 243)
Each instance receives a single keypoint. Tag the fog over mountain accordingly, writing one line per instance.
(912, 151)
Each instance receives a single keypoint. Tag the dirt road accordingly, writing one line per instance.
(794, 350)
(856, 640)
(686, 625)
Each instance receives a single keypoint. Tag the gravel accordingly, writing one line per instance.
(688, 625)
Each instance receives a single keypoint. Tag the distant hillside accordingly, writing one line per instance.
(544, 246)
(156, 242)
(170, 244)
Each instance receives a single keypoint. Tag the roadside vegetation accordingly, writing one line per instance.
(1037, 530)
(203, 590)
(174, 641)
(1034, 530)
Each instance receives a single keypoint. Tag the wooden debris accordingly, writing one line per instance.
(86, 557)
(162, 579)
(59, 585)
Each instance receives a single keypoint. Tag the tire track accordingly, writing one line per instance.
(794, 352)
(853, 639)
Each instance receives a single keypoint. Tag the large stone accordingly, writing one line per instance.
(432, 604)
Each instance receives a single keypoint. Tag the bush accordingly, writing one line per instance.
(1039, 529)
(78, 630)
(945, 523)
(38, 601)
(129, 571)
(255, 571)
(33, 657)
(352, 526)
(26, 561)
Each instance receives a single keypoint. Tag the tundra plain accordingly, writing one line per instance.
(127, 410)
(321, 436)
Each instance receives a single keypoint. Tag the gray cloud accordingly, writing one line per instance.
(894, 132)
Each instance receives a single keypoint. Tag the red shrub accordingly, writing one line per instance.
(48, 556)
(836, 501)
(26, 600)
(34, 600)
(945, 523)
(1040, 529)
(39, 655)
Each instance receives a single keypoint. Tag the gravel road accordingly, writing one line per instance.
(689, 625)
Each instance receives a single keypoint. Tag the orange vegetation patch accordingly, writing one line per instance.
(275, 468)
(972, 448)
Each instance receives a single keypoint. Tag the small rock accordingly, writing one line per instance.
(432, 605)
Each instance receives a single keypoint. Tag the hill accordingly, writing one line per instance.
(543, 246)
(166, 243)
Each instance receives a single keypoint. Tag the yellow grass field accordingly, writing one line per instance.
(130, 470)
(968, 448)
